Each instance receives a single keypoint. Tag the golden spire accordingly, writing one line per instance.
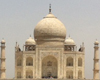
(49, 8)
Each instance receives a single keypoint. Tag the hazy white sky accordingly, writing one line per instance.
(19, 17)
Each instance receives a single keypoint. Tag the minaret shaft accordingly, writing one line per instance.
(2, 68)
(96, 61)
(96, 52)
(3, 52)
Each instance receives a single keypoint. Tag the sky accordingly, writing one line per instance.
(18, 19)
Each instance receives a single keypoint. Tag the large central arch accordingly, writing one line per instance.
(49, 67)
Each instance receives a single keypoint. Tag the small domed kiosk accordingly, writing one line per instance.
(30, 41)
(69, 41)
(69, 44)
(30, 44)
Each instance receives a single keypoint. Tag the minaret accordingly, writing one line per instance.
(96, 60)
(2, 68)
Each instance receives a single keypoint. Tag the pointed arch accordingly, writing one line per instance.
(69, 61)
(80, 61)
(49, 67)
(69, 74)
(29, 74)
(29, 61)
(19, 74)
(79, 74)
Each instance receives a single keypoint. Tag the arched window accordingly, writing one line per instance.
(49, 74)
(49, 67)
(79, 74)
(19, 62)
(69, 61)
(69, 74)
(26, 48)
(65, 48)
(18, 74)
(29, 74)
(29, 61)
(30, 48)
(49, 63)
(72, 49)
(68, 48)
(79, 61)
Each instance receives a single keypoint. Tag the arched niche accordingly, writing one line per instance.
(69, 74)
(29, 61)
(79, 61)
(79, 74)
(68, 48)
(26, 48)
(49, 67)
(19, 62)
(29, 74)
(19, 74)
(69, 61)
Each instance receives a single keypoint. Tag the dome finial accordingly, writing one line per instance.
(49, 8)
(96, 39)
(96, 42)
(30, 35)
(69, 35)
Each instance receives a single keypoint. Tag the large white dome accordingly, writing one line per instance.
(50, 28)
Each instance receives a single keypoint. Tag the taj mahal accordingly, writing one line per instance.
(50, 54)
